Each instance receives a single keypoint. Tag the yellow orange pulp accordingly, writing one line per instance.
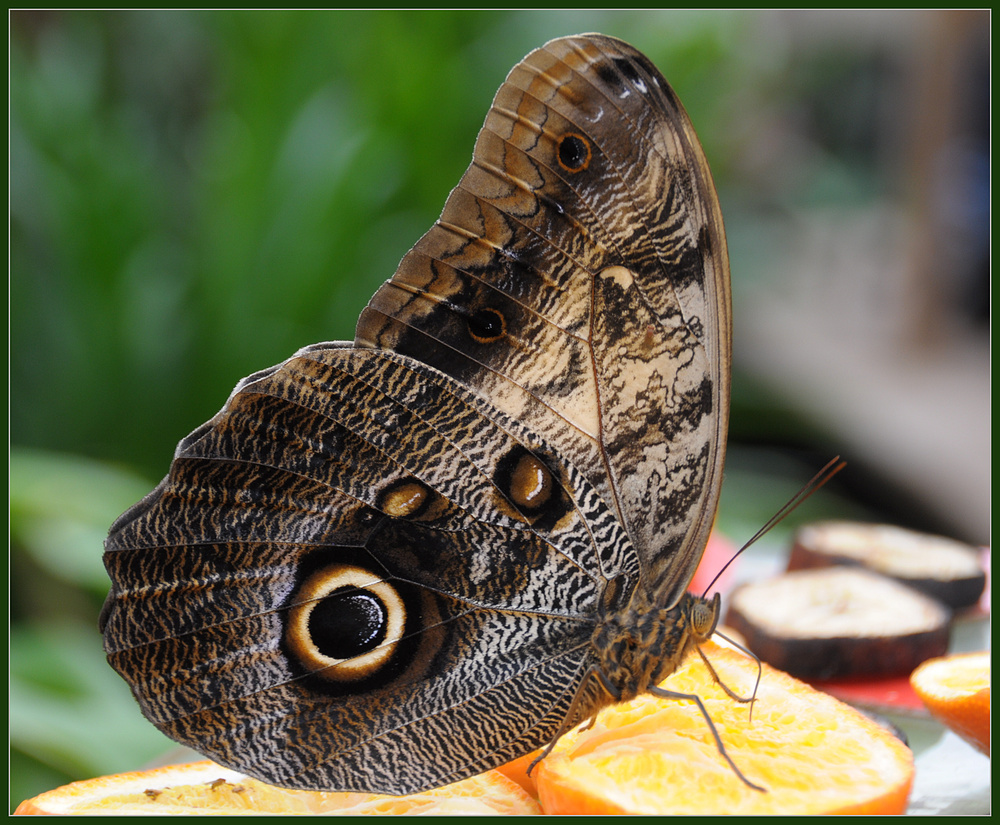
(813, 754)
(207, 788)
(956, 690)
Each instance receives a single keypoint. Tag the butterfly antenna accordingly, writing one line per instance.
(830, 469)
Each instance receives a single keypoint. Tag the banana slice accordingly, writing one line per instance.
(839, 621)
(943, 568)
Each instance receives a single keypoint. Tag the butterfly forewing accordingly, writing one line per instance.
(383, 565)
(614, 342)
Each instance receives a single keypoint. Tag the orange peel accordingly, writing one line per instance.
(956, 690)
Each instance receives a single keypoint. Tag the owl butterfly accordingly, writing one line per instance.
(390, 564)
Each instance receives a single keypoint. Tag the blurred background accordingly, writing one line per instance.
(196, 195)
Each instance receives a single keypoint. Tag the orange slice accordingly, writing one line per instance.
(517, 770)
(207, 788)
(956, 690)
(814, 754)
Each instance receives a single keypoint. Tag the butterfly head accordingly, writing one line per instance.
(703, 616)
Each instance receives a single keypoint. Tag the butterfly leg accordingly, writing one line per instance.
(729, 691)
(574, 707)
(670, 694)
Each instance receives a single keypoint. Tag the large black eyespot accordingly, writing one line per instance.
(345, 623)
(487, 325)
(573, 152)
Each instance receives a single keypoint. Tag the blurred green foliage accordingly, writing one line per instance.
(196, 195)
(71, 715)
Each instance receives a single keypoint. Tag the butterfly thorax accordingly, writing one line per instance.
(639, 647)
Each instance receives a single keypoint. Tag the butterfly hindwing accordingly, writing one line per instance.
(421, 510)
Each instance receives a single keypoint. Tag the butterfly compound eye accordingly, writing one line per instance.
(704, 617)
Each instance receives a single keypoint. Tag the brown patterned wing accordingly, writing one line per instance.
(578, 278)
(354, 579)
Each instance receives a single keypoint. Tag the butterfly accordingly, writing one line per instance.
(389, 564)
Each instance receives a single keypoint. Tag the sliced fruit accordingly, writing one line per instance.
(839, 621)
(517, 770)
(207, 788)
(956, 690)
(813, 754)
(942, 568)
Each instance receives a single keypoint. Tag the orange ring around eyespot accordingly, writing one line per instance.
(320, 585)
(580, 139)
